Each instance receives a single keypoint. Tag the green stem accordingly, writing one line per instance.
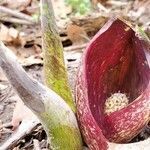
(57, 118)
(54, 67)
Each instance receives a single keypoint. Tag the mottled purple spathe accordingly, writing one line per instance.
(113, 61)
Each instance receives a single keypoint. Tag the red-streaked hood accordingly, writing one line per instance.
(115, 60)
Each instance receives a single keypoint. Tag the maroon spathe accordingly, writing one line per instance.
(114, 61)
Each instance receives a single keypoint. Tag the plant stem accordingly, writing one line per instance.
(54, 67)
(56, 116)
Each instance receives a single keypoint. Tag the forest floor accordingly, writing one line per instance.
(23, 37)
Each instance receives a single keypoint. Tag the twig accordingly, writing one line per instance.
(36, 144)
(25, 128)
(75, 47)
(4, 131)
(15, 13)
(6, 125)
(117, 3)
(15, 20)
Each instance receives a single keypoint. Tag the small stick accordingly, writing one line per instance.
(117, 3)
(25, 128)
(4, 131)
(6, 125)
(15, 13)
(101, 7)
(75, 47)
(15, 20)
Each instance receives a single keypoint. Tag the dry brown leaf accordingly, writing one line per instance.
(4, 34)
(32, 60)
(26, 44)
(13, 33)
(30, 36)
(10, 35)
(77, 34)
(28, 56)
(21, 112)
(18, 4)
(91, 24)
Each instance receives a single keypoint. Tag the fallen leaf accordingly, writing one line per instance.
(77, 34)
(13, 33)
(9, 35)
(18, 4)
(4, 34)
(32, 60)
(21, 112)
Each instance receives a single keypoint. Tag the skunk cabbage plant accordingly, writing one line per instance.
(114, 72)
(115, 61)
